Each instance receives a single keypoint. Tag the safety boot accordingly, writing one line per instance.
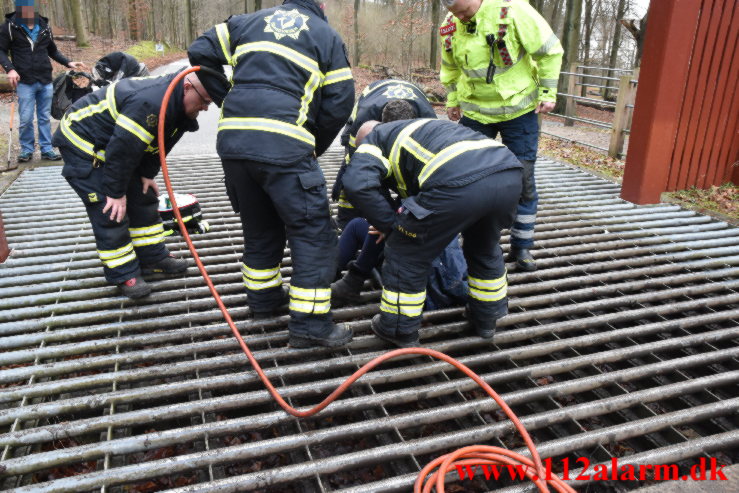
(135, 288)
(400, 340)
(484, 328)
(523, 259)
(284, 300)
(168, 265)
(346, 291)
(339, 336)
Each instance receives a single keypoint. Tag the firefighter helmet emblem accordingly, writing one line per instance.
(399, 91)
(152, 120)
(286, 23)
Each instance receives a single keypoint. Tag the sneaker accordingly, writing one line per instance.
(339, 336)
(135, 288)
(24, 157)
(51, 156)
(168, 265)
(402, 341)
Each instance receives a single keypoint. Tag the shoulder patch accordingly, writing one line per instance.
(286, 23)
(152, 120)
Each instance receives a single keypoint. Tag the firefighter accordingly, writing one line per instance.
(107, 140)
(450, 179)
(500, 66)
(292, 91)
(373, 105)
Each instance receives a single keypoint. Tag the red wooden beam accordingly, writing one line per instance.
(662, 84)
(4, 250)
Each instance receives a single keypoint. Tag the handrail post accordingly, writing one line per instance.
(621, 117)
(569, 100)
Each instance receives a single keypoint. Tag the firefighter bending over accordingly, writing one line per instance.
(450, 179)
(374, 104)
(107, 140)
(292, 91)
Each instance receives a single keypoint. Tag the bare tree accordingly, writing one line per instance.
(434, 45)
(639, 32)
(615, 45)
(570, 37)
(357, 44)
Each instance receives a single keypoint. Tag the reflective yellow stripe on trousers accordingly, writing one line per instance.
(408, 304)
(116, 258)
(316, 301)
(148, 235)
(488, 290)
(257, 279)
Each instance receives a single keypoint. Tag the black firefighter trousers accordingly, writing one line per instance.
(121, 246)
(279, 202)
(426, 224)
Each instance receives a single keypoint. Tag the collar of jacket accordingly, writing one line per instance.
(309, 5)
(176, 109)
(43, 22)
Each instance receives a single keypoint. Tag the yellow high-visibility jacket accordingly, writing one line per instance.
(535, 54)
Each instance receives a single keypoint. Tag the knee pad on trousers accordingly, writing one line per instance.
(528, 191)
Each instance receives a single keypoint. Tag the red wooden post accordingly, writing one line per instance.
(4, 250)
(662, 81)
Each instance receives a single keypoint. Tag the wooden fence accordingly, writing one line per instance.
(625, 90)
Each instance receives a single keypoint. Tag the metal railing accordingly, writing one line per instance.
(623, 106)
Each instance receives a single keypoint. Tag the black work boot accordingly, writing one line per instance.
(347, 290)
(522, 257)
(339, 336)
(284, 300)
(168, 265)
(484, 328)
(135, 288)
(400, 340)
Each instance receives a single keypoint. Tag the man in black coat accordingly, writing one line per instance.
(27, 38)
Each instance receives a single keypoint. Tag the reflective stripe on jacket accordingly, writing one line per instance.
(117, 125)
(410, 156)
(534, 49)
(292, 88)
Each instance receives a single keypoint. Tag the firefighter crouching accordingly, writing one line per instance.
(451, 179)
(371, 105)
(292, 91)
(107, 140)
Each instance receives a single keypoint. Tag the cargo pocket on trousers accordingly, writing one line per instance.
(412, 220)
(314, 192)
(232, 196)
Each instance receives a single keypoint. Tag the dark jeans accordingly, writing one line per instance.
(356, 237)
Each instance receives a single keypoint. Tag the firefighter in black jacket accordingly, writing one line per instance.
(110, 151)
(292, 91)
(371, 106)
(451, 179)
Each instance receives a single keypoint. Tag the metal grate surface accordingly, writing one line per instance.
(625, 343)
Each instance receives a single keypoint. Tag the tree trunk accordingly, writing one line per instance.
(357, 53)
(639, 34)
(189, 29)
(571, 39)
(588, 31)
(615, 46)
(537, 4)
(434, 46)
(257, 5)
(554, 21)
(79, 25)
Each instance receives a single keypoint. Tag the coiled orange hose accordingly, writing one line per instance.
(476, 454)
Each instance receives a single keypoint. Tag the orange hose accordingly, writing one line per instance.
(481, 454)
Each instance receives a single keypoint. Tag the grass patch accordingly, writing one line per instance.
(583, 157)
(723, 200)
(147, 49)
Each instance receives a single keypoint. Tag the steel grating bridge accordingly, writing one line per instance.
(625, 343)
